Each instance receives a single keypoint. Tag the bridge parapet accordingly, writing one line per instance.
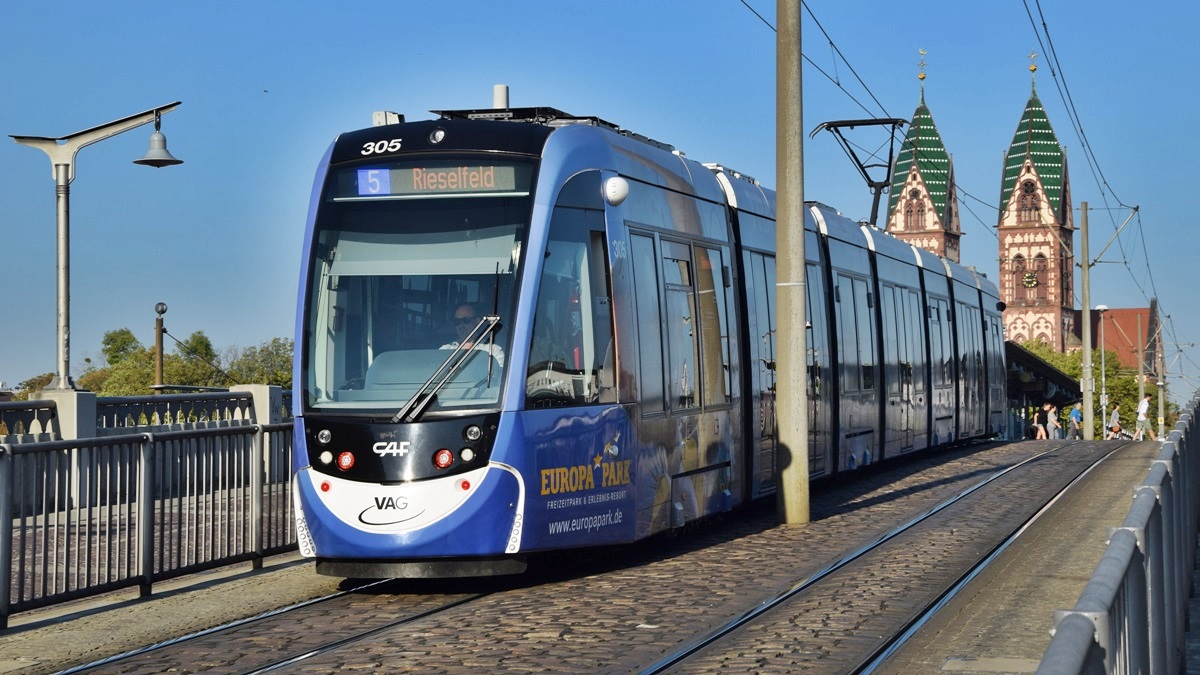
(73, 414)
(28, 421)
(119, 415)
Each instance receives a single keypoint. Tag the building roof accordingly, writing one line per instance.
(1032, 380)
(1121, 335)
(923, 145)
(1035, 141)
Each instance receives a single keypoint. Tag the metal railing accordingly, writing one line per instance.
(26, 420)
(1132, 614)
(116, 414)
(87, 516)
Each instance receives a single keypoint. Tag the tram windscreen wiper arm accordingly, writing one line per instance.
(416, 405)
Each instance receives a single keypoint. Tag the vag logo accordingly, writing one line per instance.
(396, 448)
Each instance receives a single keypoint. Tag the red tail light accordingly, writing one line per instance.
(345, 460)
(443, 458)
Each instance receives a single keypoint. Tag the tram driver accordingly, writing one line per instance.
(466, 318)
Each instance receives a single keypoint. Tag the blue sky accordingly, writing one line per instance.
(267, 85)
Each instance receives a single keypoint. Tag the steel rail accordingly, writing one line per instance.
(342, 642)
(141, 651)
(881, 654)
(742, 620)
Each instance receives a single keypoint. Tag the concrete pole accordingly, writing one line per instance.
(1141, 357)
(791, 399)
(1087, 384)
(1160, 366)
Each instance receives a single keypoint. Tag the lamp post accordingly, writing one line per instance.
(1103, 374)
(160, 309)
(62, 151)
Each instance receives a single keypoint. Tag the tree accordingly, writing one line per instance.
(131, 376)
(1120, 385)
(32, 386)
(129, 368)
(268, 363)
(195, 363)
(119, 344)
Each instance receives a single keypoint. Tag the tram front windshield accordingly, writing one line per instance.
(400, 280)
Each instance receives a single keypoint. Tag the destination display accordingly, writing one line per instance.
(433, 179)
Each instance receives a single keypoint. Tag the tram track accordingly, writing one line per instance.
(158, 657)
(868, 658)
(617, 610)
(885, 651)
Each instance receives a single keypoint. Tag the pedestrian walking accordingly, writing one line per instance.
(1053, 426)
(1076, 420)
(1040, 419)
(1143, 421)
(1114, 423)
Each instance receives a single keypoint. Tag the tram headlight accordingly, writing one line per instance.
(345, 460)
(323, 437)
(443, 458)
(466, 454)
(473, 433)
(326, 457)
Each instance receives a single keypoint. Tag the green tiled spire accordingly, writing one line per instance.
(1035, 140)
(924, 146)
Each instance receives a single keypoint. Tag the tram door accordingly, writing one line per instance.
(904, 370)
(760, 323)
(820, 447)
(858, 358)
(898, 372)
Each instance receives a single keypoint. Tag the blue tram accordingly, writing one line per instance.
(520, 330)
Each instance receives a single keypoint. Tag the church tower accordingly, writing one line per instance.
(1036, 233)
(923, 207)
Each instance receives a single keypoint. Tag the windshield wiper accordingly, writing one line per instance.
(457, 358)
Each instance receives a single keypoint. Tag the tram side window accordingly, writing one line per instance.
(939, 347)
(571, 354)
(649, 321)
(894, 349)
(856, 333)
(863, 302)
(762, 336)
(682, 326)
(714, 327)
(916, 338)
(848, 335)
(970, 326)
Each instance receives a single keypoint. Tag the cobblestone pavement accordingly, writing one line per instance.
(1001, 622)
(610, 610)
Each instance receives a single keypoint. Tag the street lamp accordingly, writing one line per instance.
(160, 309)
(62, 152)
(1103, 374)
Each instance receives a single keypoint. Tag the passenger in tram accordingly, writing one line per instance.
(466, 317)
